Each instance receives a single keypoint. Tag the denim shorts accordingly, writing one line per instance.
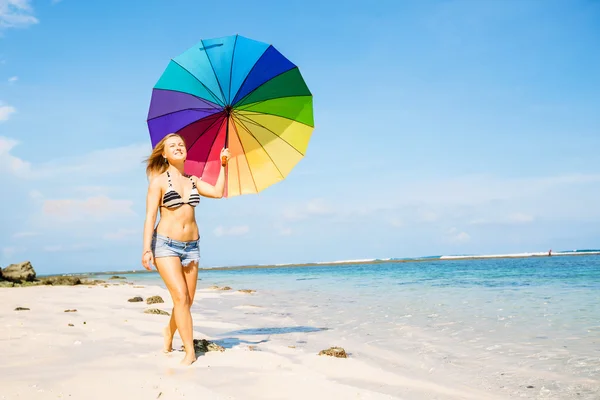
(163, 246)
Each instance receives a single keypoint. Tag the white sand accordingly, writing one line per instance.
(117, 353)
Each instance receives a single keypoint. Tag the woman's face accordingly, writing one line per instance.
(175, 150)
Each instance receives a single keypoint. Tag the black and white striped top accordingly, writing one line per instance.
(172, 199)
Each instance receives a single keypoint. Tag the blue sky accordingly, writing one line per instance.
(442, 127)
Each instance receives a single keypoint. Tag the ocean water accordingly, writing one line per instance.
(524, 327)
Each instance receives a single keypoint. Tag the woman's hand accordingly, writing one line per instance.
(148, 260)
(225, 156)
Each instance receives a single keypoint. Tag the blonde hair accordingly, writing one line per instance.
(156, 163)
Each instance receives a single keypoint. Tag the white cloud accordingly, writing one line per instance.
(16, 14)
(396, 222)
(19, 235)
(314, 207)
(10, 163)
(35, 194)
(454, 235)
(13, 79)
(510, 219)
(520, 218)
(99, 207)
(286, 231)
(59, 248)
(9, 251)
(96, 163)
(232, 231)
(6, 111)
(121, 234)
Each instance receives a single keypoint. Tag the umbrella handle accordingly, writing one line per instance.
(228, 111)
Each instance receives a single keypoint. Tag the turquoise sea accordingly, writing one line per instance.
(526, 327)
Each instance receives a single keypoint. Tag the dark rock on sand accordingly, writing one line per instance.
(72, 310)
(61, 280)
(22, 272)
(154, 300)
(334, 352)
(247, 290)
(225, 288)
(203, 346)
(117, 277)
(22, 309)
(71, 325)
(155, 311)
(135, 299)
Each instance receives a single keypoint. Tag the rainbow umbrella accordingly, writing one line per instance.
(237, 93)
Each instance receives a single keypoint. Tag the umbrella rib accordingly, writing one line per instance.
(186, 109)
(251, 70)
(214, 72)
(211, 145)
(245, 106)
(275, 115)
(264, 83)
(231, 69)
(247, 163)
(270, 131)
(200, 82)
(202, 134)
(237, 167)
(217, 106)
(263, 148)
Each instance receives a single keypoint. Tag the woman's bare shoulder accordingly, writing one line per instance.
(157, 179)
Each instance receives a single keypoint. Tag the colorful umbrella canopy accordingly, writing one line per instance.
(237, 93)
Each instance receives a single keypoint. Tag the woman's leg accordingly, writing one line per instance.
(190, 274)
(172, 274)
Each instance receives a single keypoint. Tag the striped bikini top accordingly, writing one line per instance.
(172, 199)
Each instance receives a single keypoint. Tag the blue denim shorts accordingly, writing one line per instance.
(163, 246)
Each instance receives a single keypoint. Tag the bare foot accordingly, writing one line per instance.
(189, 359)
(168, 346)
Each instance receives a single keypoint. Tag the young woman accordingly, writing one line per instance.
(173, 246)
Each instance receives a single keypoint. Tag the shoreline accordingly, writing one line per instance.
(346, 263)
(271, 340)
(49, 352)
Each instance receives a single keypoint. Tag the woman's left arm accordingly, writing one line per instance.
(208, 190)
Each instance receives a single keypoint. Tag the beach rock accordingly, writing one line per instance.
(22, 272)
(247, 290)
(155, 311)
(22, 309)
(135, 299)
(203, 346)
(334, 352)
(117, 277)
(61, 280)
(72, 310)
(154, 300)
(92, 282)
(71, 325)
(213, 287)
(225, 288)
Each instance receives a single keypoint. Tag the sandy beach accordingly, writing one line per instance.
(110, 348)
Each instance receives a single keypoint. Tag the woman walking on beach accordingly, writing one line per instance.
(173, 246)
